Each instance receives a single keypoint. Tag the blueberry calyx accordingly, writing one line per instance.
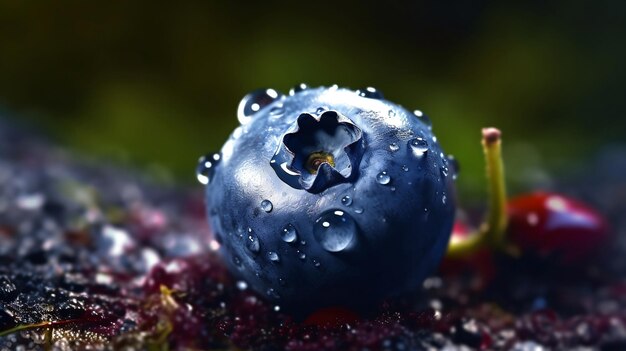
(318, 152)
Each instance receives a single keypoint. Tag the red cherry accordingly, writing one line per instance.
(478, 266)
(552, 224)
(334, 316)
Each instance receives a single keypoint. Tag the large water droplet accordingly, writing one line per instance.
(252, 242)
(267, 206)
(253, 102)
(419, 146)
(334, 230)
(289, 234)
(298, 88)
(370, 92)
(206, 167)
(273, 256)
(394, 147)
(346, 200)
(383, 178)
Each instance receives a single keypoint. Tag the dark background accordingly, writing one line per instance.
(157, 84)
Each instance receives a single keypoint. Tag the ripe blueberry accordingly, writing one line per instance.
(328, 197)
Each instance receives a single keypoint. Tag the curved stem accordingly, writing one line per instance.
(492, 231)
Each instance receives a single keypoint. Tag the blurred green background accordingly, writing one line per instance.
(156, 84)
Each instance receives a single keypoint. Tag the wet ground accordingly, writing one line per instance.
(94, 256)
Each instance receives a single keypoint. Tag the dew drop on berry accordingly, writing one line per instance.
(346, 200)
(252, 242)
(273, 256)
(206, 167)
(419, 146)
(241, 285)
(454, 166)
(394, 147)
(253, 102)
(237, 261)
(316, 263)
(277, 111)
(422, 117)
(358, 210)
(298, 88)
(383, 178)
(335, 230)
(301, 255)
(444, 171)
(320, 110)
(272, 293)
(405, 168)
(370, 93)
(289, 234)
(267, 206)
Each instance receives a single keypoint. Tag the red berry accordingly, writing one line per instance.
(331, 317)
(551, 224)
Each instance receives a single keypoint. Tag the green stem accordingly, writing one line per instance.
(491, 232)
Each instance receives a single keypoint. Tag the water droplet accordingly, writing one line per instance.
(346, 200)
(253, 243)
(444, 199)
(316, 263)
(393, 188)
(320, 110)
(206, 167)
(302, 242)
(434, 139)
(444, 171)
(334, 230)
(301, 255)
(405, 168)
(276, 308)
(419, 146)
(298, 88)
(370, 92)
(273, 256)
(383, 178)
(277, 111)
(391, 113)
(455, 167)
(237, 261)
(358, 210)
(281, 282)
(272, 293)
(253, 102)
(394, 147)
(422, 117)
(241, 285)
(267, 206)
(289, 234)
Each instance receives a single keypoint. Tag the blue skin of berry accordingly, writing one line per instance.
(382, 242)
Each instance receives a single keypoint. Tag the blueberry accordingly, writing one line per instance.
(329, 197)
